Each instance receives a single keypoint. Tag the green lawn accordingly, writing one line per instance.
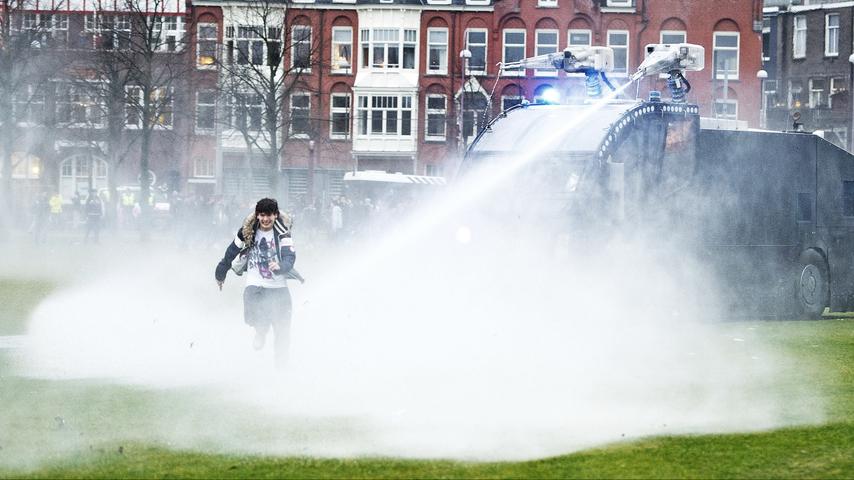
(107, 430)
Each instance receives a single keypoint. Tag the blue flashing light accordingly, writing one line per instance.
(550, 96)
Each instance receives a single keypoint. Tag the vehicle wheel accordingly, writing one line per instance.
(813, 286)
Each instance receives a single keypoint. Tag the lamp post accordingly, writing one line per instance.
(465, 54)
(851, 96)
(763, 113)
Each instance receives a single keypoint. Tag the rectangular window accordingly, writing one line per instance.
(247, 46)
(29, 105)
(726, 55)
(115, 32)
(384, 47)
(245, 111)
(818, 92)
(476, 44)
(796, 91)
(161, 103)
(43, 30)
(204, 166)
(76, 107)
(770, 94)
(437, 50)
(386, 115)
(727, 109)
(672, 37)
(301, 48)
(205, 110)
(342, 49)
(169, 32)
(133, 107)
(848, 198)
(436, 117)
(300, 111)
(514, 50)
(837, 85)
(618, 40)
(547, 3)
(799, 37)
(546, 42)
(340, 114)
(579, 38)
(831, 35)
(206, 38)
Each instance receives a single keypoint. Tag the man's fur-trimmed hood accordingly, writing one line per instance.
(282, 226)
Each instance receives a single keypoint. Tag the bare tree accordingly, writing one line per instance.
(264, 65)
(137, 71)
(26, 66)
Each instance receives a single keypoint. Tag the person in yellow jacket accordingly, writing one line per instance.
(55, 204)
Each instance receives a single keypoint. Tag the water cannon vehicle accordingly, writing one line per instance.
(770, 213)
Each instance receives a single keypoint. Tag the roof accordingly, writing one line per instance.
(534, 125)
(385, 177)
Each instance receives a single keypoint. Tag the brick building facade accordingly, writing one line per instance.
(383, 80)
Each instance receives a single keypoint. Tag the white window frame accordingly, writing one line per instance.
(428, 137)
(546, 48)
(620, 3)
(504, 45)
(588, 32)
(295, 43)
(799, 36)
(199, 106)
(133, 102)
(336, 44)
(843, 85)
(443, 67)
(683, 33)
(291, 110)
(716, 48)
(25, 100)
(212, 40)
(729, 101)
(75, 98)
(484, 45)
(818, 97)
(368, 36)
(626, 47)
(171, 26)
(365, 107)
(339, 110)
(831, 36)
(233, 112)
(547, 3)
(204, 166)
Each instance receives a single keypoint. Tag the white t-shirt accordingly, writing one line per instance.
(263, 252)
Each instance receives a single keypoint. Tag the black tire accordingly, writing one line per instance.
(812, 285)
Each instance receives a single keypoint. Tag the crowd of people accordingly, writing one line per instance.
(192, 218)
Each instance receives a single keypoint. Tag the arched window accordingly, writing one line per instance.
(79, 173)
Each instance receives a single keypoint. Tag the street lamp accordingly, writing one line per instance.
(465, 54)
(763, 118)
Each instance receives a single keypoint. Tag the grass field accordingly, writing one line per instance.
(109, 430)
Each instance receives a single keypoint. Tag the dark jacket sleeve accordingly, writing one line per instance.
(287, 254)
(230, 253)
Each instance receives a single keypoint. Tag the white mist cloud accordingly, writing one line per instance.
(422, 346)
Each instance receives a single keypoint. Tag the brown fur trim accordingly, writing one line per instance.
(249, 230)
(250, 224)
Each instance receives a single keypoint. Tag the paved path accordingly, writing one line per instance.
(8, 342)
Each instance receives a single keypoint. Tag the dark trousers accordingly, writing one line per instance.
(270, 307)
